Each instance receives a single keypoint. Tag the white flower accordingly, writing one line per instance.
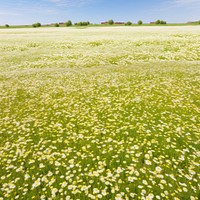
(54, 191)
(148, 162)
(64, 184)
(95, 191)
(41, 165)
(130, 179)
(118, 197)
(27, 176)
(158, 169)
(36, 183)
(57, 163)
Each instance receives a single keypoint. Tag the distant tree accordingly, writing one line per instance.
(128, 23)
(157, 21)
(140, 22)
(7, 26)
(163, 22)
(36, 25)
(56, 25)
(110, 22)
(68, 23)
(199, 21)
(82, 23)
(160, 22)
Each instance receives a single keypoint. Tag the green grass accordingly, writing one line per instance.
(95, 113)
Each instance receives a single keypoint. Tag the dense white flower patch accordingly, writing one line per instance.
(100, 113)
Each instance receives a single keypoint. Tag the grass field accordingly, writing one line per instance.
(100, 113)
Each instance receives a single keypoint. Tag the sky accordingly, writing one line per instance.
(22, 12)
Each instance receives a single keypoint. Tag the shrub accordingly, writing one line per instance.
(163, 22)
(160, 22)
(128, 23)
(140, 22)
(82, 23)
(36, 25)
(157, 21)
(7, 26)
(110, 22)
(68, 23)
(56, 25)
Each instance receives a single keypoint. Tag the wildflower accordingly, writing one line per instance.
(148, 162)
(130, 179)
(118, 197)
(36, 183)
(27, 176)
(158, 169)
(54, 191)
(95, 191)
(64, 184)
(41, 165)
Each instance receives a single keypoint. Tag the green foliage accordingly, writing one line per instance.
(140, 22)
(160, 22)
(111, 22)
(163, 22)
(7, 26)
(82, 23)
(56, 25)
(68, 23)
(128, 23)
(157, 21)
(36, 25)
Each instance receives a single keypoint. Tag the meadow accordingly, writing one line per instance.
(100, 113)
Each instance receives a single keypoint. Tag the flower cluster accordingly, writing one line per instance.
(116, 132)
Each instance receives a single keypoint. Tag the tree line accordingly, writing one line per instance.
(109, 22)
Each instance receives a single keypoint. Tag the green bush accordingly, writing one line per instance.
(36, 25)
(82, 23)
(128, 23)
(68, 23)
(157, 21)
(56, 25)
(163, 22)
(160, 22)
(110, 22)
(140, 22)
(7, 26)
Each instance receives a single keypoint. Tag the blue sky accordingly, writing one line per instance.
(96, 11)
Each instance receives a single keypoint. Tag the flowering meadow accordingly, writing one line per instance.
(100, 113)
